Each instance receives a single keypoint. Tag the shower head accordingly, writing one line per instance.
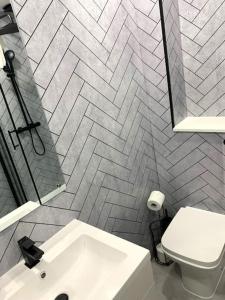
(9, 57)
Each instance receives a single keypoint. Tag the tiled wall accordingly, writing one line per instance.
(87, 62)
(191, 166)
(101, 72)
(203, 42)
(175, 58)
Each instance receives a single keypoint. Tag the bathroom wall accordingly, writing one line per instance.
(114, 79)
(175, 58)
(203, 43)
(94, 95)
(191, 166)
(87, 62)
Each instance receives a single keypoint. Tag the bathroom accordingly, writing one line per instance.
(112, 158)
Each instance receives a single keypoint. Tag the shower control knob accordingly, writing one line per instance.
(62, 297)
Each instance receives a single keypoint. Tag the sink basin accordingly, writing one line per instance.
(82, 262)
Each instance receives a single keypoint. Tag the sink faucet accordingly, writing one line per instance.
(31, 253)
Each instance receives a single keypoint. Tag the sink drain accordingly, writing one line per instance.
(62, 297)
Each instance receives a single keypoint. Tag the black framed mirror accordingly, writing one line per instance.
(169, 11)
(29, 166)
(193, 39)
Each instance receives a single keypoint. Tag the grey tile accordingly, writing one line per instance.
(98, 206)
(5, 237)
(85, 18)
(71, 125)
(91, 197)
(29, 16)
(108, 13)
(85, 184)
(111, 154)
(94, 80)
(90, 59)
(99, 100)
(66, 104)
(51, 216)
(77, 146)
(115, 28)
(82, 33)
(43, 232)
(13, 253)
(107, 137)
(59, 81)
(49, 24)
(80, 165)
(113, 169)
(53, 56)
(103, 119)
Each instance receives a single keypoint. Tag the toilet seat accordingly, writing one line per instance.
(196, 237)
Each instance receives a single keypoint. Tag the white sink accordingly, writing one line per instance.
(84, 263)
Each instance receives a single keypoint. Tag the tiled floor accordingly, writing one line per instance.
(168, 285)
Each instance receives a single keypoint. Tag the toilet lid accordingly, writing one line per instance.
(196, 236)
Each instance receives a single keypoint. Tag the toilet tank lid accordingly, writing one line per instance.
(196, 236)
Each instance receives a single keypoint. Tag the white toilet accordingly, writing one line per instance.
(195, 240)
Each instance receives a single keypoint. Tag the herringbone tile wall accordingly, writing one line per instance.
(175, 58)
(99, 66)
(87, 62)
(203, 43)
(191, 166)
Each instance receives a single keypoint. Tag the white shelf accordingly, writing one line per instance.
(27, 208)
(201, 124)
(17, 214)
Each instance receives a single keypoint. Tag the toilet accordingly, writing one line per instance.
(195, 240)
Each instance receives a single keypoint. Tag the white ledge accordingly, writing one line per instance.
(17, 214)
(201, 124)
(27, 208)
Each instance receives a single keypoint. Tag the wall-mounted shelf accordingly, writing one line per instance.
(27, 208)
(17, 214)
(201, 124)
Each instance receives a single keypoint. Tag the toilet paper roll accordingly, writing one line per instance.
(156, 200)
